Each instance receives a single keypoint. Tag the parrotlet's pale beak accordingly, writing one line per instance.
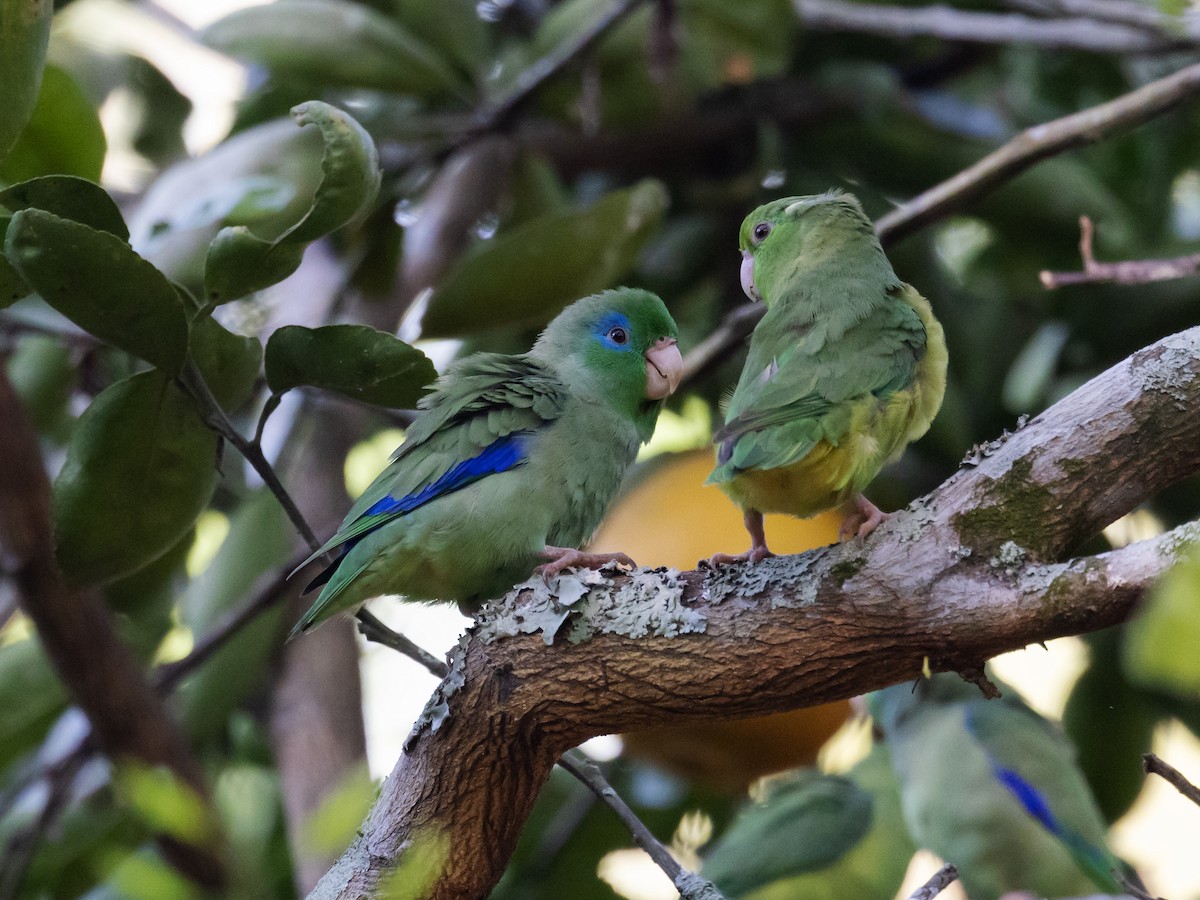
(664, 368)
(748, 276)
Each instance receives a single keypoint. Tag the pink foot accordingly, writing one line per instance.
(758, 543)
(567, 558)
(861, 517)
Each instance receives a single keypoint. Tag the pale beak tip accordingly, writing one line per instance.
(664, 369)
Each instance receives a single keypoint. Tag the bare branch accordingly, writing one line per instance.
(735, 327)
(1121, 12)
(1037, 143)
(953, 24)
(1153, 764)
(974, 569)
(1131, 271)
(372, 629)
(941, 879)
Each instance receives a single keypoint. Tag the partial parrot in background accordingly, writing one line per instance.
(818, 837)
(511, 461)
(992, 787)
(845, 369)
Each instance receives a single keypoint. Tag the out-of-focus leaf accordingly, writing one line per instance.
(259, 540)
(1160, 645)
(263, 177)
(42, 374)
(239, 262)
(335, 42)
(144, 876)
(12, 285)
(229, 362)
(63, 135)
(98, 282)
(452, 27)
(68, 197)
(140, 468)
(165, 803)
(427, 851)
(331, 827)
(354, 360)
(530, 273)
(144, 602)
(24, 36)
(31, 696)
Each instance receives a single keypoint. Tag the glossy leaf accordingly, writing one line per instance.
(24, 36)
(335, 42)
(1160, 649)
(140, 468)
(68, 197)
(528, 274)
(354, 360)
(240, 262)
(98, 282)
(229, 362)
(63, 135)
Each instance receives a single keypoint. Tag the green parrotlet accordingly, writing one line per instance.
(511, 462)
(818, 837)
(992, 787)
(845, 369)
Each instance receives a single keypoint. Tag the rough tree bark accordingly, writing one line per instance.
(976, 568)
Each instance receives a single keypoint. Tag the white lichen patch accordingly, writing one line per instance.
(980, 452)
(790, 581)
(1009, 557)
(648, 602)
(437, 707)
(1169, 366)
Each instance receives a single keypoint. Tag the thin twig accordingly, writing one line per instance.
(1153, 764)
(372, 629)
(942, 879)
(736, 325)
(589, 774)
(1129, 271)
(501, 113)
(951, 24)
(1037, 143)
(1121, 12)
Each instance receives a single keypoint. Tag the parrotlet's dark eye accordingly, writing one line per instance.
(618, 335)
(761, 230)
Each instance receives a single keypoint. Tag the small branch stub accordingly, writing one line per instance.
(1130, 271)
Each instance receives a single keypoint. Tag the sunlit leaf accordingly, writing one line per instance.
(165, 803)
(98, 282)
(528, 274)
(1161, 644)
(140, 467)
(331, 827)
(355, 360)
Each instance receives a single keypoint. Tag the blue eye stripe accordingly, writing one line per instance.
(605, 326)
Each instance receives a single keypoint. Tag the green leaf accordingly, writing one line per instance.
(63, 135)
(350, 168)
(140, 468)
(240, 262)
(24, 36)
(333, 42)
(354, 360)
(68, 197)
(530, 273)
(43, 374)
(453, 27)
(165, 803)
(98, 282)
(229, 362)
(1160, 648)
(31, 697)
(12, 285)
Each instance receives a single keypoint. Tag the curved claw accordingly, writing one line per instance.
(562, 558)
(861, 517)
(753, 555)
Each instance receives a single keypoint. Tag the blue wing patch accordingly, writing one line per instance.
(499, 456)
(1028, 797)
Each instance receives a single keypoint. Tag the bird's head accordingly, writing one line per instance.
(797, 233)
(617, 347)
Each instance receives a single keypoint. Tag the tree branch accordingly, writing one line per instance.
(948, 23)
(102, 674)
(974, 569)
(1153, 764)
(1130, 271)
(941, 879)
(1037, 143)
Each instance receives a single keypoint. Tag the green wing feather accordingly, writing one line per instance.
(801, 383)
(485, 397)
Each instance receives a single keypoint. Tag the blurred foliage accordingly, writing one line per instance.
(634, 165)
